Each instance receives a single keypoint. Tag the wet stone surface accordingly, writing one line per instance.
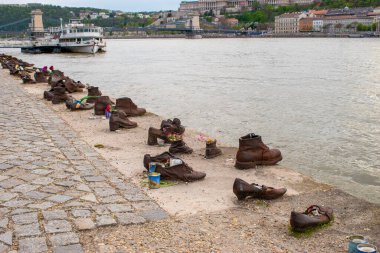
(52, 184)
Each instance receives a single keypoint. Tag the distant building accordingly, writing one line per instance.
(306, 25)
(288, 22)
(317, 24)
(345, 24)
(318, 13)
(216, 6)
(94, 15)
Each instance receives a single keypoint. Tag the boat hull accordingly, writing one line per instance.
(87, 49)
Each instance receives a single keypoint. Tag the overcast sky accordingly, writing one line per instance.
(124, 5)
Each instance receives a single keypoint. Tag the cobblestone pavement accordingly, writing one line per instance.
(52, 184)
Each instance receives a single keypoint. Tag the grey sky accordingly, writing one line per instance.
(124, 5)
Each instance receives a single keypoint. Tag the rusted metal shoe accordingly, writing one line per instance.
(101, 104)
(59, 95)
(252, 151)
(75, 105)
(154, 134)
(243, 190)
(93, 92)
(313, 216)
(180, 147)
(211, 150)
(120, 120)
(126, 105)
(173, 168)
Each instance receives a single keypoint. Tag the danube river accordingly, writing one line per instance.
(317, 100)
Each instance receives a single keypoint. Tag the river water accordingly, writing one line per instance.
(317, 100)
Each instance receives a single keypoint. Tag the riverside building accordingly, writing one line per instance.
(216, 6)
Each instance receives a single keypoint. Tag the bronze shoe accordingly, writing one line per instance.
(120, 120)
(126, 105)
(313, 216)
(211, 150)
(180, 171)
(154, 134)
(243, 190)
(180, 147)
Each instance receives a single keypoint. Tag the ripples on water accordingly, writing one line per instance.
(318, 100)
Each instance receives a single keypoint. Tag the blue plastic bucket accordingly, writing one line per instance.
(154, 180)
(353, 243)
(366, 248)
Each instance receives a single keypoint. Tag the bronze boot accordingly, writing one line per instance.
(59, 95)
(126, 105)
(153, 134)
(252, 151)
(48, 95)
(243, 190)
(173, 168)
(93, 92)
(211, 150)
(180, 147)
(101, 104)
(120, 120)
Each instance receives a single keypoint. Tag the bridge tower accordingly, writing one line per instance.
(37, 25)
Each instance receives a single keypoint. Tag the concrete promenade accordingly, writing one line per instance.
(54, 185)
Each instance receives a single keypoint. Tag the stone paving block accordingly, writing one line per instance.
(54, 215)
(4, 248)
(3, 211)
(57, 226)
(3, 177)
(83, 187)
(27, 230)
(59, 198)
(43, 181)
(119, 208)
(105, 220)
(16, 203)
(10, 183)
(129, 218)
(36, 195)
(101, 210)
(25, 218)
(52, 189)
(64, 239)
(76, 248)
(113, 199)
(5, 196)
(32, 245)
(90, 197)
(42, 206)
(22, 210)
(66, 183)
(84, 224)
(154, 215)
(27, 177)
(4, 222)
(24, 188)
(6, 238)
(5, 166)
(95, 179)
(104, 192)
(42, 172)
(81, 213)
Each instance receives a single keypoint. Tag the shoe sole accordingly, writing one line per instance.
(250, 165)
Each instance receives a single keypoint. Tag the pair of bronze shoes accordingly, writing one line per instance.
(313, 216)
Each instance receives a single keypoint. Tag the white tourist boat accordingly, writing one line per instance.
(77, 37)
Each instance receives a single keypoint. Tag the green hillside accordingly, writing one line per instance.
(10, 14)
